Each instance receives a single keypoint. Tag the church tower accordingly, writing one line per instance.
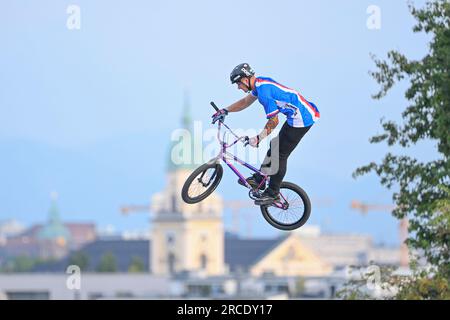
(186, 237)
(54, 238)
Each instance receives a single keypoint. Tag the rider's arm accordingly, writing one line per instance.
(271, 124)
(242, 103)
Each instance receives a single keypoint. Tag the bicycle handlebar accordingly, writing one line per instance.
(214, 106)
(245, 138)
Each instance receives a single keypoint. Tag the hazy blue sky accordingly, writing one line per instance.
(89, 112)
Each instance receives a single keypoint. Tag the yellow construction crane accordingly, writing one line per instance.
(126, 210)
(364, 208)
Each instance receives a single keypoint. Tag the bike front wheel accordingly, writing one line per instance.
(291, 211)
(202, 182)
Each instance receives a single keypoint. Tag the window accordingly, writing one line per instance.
(203, 261)
(124, 294)
(174, 203)
(171, 263)
(170, 238)
(95, 295)
(28, 295)
(199, 290)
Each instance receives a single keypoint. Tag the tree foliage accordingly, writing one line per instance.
(420, 186)
(421, 189)
(107, 263)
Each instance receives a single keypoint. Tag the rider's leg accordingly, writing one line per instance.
(275, 162)
(276, 159)
(289, 138)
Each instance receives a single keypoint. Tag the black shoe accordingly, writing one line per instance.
(268, 197)
(254, 181)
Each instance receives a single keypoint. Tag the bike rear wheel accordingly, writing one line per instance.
(292, 216)
(202, 182)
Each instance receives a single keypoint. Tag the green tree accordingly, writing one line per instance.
(420, 187)
(136, 265)
(80, 259)
(435, 286)
(107, 263)
(19, 264)
(24, 263)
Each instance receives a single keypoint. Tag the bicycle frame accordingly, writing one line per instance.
(224, 155)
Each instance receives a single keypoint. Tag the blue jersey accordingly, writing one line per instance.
(277, 98)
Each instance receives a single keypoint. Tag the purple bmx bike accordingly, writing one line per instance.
(290, 212)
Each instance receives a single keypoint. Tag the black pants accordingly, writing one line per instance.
(281, 147)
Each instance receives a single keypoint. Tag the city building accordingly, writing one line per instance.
(188, 254)
(54, 239)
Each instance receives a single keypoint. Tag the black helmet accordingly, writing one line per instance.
(241, 71)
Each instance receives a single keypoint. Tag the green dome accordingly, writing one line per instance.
(54, 229)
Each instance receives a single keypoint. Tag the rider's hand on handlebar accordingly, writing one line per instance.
(219, 115)
(254, 141)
